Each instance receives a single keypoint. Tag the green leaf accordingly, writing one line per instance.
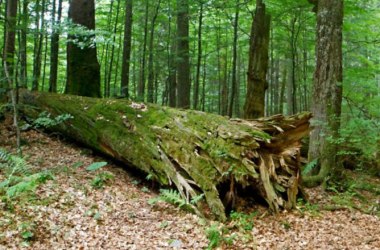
(96, 165)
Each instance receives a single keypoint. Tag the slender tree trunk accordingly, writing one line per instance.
(258, 64)
(327, 90)
(83, 69)
(54, 48)
(141, 88)
(118, 53)
(150, 60)
(199, 58)
(172, 68)
(276, 88)
(234, 59)
(183, 61)
(45, 60)
(237, 95)
(224, 87)
(106, 53)
(40, 25)
(126, 48)
(220, 88)
(9, 63)
(203, 101)
(282, 91)
(109, 76)
(23, 45)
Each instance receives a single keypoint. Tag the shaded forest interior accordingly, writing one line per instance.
(232, 58)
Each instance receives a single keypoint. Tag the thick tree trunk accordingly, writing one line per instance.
(83, 69)
(258, 64)
(327, 90)
(198, 153)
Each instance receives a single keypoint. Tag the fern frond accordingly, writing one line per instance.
(310, 166)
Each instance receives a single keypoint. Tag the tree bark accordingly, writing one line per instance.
(327, 90)
(150, 59)
(23, 45)
(83, 69)
(126, 49)
(54, 48)
(141, 87)
(198, 153)
(38, 40)
(234, 62)
(183, 60)
(199, 58)
(258, 64)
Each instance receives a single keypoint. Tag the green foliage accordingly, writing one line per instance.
(309, 166)
(214, 236)
(45, 121)
(18, 179)
(96, 165)
(102, 179)
(243, 221)
(27, 230)
(174, 197)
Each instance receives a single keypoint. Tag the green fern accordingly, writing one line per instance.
(12, 164)
(310, 166)
(18, 179)
(174, 197)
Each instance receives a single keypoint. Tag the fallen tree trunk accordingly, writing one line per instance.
(199, 153)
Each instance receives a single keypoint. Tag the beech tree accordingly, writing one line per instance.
(327, 89)
(83, 69)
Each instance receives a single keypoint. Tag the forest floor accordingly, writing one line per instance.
(109, 209)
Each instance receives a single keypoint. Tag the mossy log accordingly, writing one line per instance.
(198, 153)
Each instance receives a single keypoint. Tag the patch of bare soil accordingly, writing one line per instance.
(70, 213)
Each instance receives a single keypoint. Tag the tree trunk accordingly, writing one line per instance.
(23, 45)
(183, 61)
(83, 69)
(327, 90)
(141, 87)
(54, 48)
(198, 153)
(234, 61)
(110, 63)
(258, 64)
(126, 49)
(199, 58)
(38, 40)
(150, 60)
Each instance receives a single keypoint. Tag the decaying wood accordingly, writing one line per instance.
(198, 153)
